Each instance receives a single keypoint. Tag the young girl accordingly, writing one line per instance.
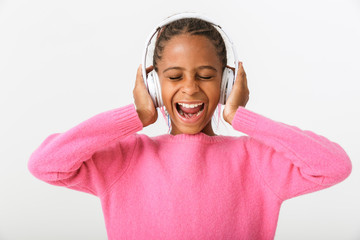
(191, 183)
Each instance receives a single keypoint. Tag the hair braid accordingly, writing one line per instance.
(192, 26)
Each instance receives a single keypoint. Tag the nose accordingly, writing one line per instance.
(190, 86)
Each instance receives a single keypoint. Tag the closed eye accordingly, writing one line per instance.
(205, 78)
(175, 78)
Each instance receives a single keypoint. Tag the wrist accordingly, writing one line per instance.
(146, 117)
(141, 117)
(229, 117)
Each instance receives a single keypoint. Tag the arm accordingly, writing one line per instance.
(291, 161)
(88, 156)
(95, 153)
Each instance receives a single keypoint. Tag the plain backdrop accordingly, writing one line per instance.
(62, 62)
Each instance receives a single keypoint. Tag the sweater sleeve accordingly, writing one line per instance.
(90, 156)
(291, 161)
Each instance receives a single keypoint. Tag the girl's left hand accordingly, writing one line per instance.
(239, 95)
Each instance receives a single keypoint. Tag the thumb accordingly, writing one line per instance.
(139, 77)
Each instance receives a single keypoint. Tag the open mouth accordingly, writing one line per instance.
(189, 110)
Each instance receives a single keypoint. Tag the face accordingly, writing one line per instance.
(190, 76)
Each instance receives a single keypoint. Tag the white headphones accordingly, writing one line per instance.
(152, 80)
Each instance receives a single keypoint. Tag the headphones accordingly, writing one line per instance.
(152, 79)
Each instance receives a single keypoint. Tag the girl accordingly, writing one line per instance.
(191, 183)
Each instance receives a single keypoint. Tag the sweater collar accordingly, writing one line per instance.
(198, 137)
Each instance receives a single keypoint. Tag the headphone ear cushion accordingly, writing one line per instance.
(227, 83)
(158, 97)
(153, 86)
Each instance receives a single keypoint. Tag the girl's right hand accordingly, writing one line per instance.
(145, 107)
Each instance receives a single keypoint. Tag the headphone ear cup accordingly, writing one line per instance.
(223, 87)
(227, 83)
(231, 80)
(158, 97)
(153, 86)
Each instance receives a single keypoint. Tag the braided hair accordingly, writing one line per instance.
(192, 26)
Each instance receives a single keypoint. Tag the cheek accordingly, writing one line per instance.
(167, 92)
(213, 92)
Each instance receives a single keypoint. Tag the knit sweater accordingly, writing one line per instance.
(189, 186)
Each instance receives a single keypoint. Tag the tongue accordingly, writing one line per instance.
(190, 110)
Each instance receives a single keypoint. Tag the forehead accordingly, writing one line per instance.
(193, 49)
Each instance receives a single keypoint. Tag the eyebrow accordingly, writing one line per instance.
(180, 68)
(170, 68)
(208, 67)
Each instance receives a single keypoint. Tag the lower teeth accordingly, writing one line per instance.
(190, 115)
(199, 113)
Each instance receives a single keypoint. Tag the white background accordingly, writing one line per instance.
(62, 62)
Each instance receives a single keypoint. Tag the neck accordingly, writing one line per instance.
(206, 130)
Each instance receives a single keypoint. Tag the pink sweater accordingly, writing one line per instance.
(189, 186)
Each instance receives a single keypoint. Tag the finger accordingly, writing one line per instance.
(139, 78)
(241, 75)
(241, 70)
(244, 75)
(244, 82)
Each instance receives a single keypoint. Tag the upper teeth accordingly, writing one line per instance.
(190, 105)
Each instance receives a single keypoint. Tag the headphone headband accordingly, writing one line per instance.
(174, 18)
